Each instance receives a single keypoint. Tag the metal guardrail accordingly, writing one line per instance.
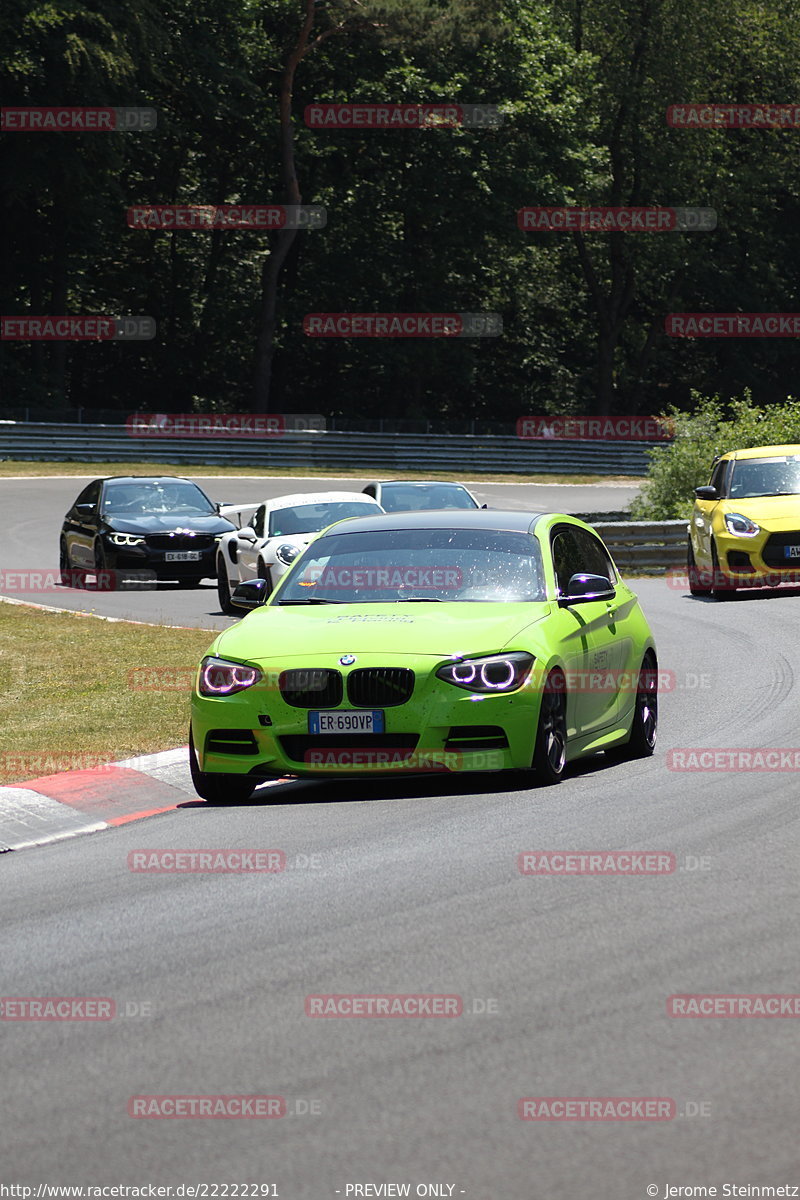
(375, 451)
(650, 546)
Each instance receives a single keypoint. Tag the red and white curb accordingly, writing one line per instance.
(53, 807)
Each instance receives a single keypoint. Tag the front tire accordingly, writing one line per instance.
(64, 565)
(265, 573)
(218, 789)
(722, 587)
(102, 569)
(644, 726)
(698, 580)
(550, 748)
(224, 591)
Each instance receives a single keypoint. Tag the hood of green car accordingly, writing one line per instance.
(439, 629)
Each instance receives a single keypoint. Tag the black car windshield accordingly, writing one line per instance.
(310, 518)
(411, 497)
(417, 565)
(765, 477)
(145, 497)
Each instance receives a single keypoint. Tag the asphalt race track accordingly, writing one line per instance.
(30, 543)
(413, 887)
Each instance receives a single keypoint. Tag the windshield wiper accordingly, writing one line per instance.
(420, 600)
(312, 600)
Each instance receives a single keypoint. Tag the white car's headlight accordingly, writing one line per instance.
(741, 526)
(287, 553)
(126, 539)
(220, 677)
(496, 673)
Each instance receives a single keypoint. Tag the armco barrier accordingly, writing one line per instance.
(373, 451)
(649, 546)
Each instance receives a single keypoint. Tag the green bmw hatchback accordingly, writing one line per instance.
(428, 641)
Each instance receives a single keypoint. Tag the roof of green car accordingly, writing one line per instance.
(444, 518)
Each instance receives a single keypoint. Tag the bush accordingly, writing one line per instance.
(709, 430)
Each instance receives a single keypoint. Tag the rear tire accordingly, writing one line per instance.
(224, 591)
(698, 580)
(550, 747)
(644, 726)
(216, 788)
(64, 565)
(722, 586)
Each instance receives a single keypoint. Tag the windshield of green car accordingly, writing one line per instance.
(310, 518)
(466, 565)
(765, 477)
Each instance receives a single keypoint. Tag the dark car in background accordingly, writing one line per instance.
(417, 495)
(162, 525)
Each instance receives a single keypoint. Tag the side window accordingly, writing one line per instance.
(89, 494)
(576, 552)
(258, 521)
(370, 491)
(718, 476)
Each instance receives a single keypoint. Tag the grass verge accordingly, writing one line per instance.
(95, 469)
(79, 692)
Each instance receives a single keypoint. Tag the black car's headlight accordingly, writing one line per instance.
(741, 526)
(287, 553)
(220, 677)
(495, 673)
(126, 539)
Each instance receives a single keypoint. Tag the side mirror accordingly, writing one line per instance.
(706, 493)
(248, 534)
(583, 588)
(250, 594)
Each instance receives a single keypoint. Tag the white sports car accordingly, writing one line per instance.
(276, 532)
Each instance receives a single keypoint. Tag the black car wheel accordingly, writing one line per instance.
(722, 586)
(699, 584)
(224, 591)
(264, 572)
(550, 748)
(108, 583)
(218, 789)
(644, 726)
(64, 564)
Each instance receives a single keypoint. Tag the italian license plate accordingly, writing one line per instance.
(183, 556)
(346, 722)
(791, 551)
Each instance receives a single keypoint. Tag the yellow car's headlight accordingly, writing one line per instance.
(741, 526)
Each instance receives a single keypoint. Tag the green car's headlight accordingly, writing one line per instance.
(741, 526)
(126, 539)
(496, 673)
(219, 677)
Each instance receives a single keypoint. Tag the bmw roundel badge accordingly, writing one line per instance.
(347, 660)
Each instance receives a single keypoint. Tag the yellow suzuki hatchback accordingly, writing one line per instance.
(745, 525)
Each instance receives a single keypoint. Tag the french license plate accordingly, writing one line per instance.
(183, 556)
(346, 722)
(791, 551)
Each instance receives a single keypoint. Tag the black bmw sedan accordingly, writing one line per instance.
(161, 525)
